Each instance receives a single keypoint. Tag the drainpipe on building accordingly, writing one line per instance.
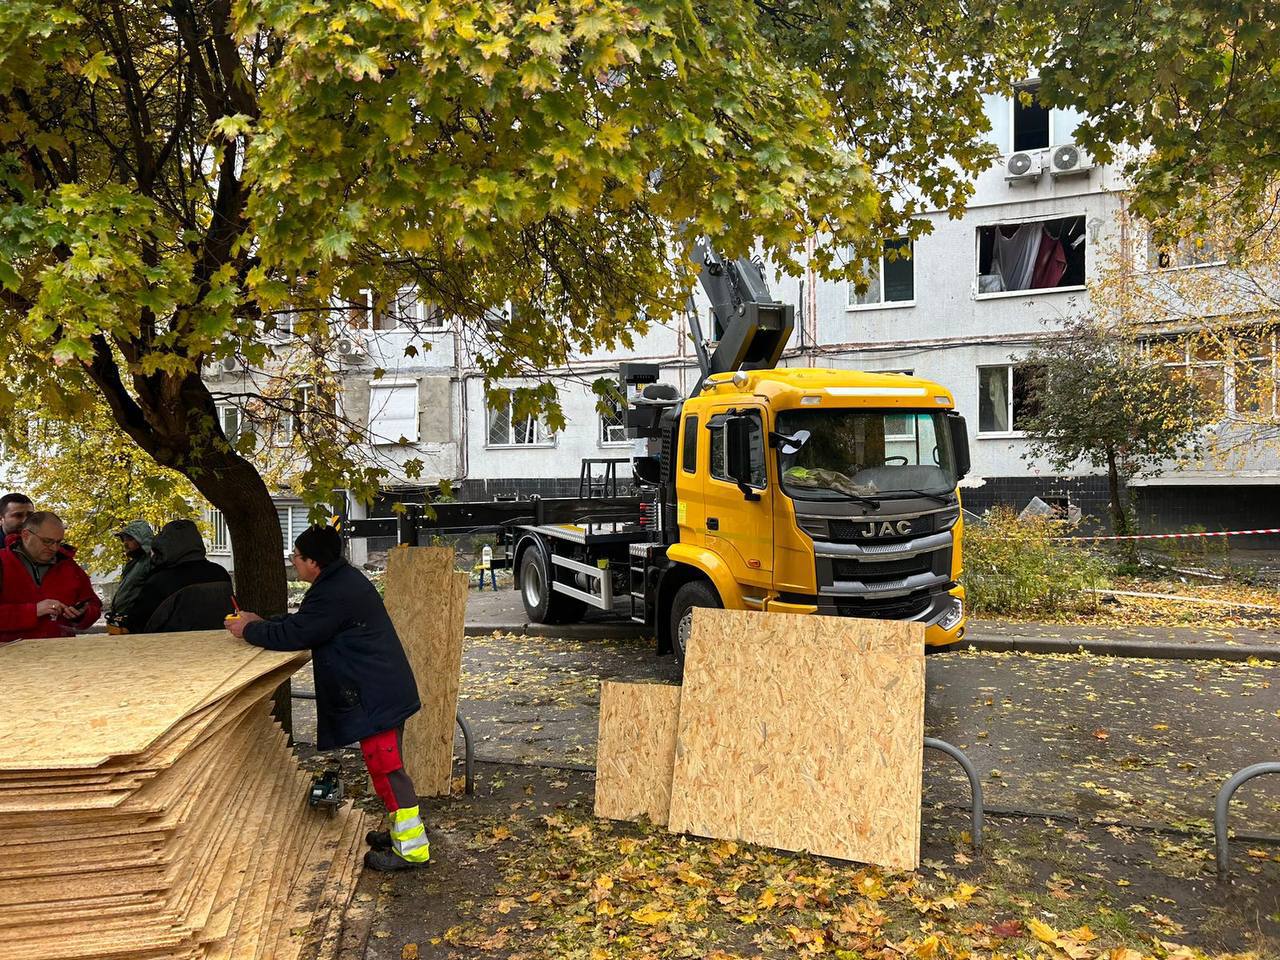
(809, 296)
(463, 459)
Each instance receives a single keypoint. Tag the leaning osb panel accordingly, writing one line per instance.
(426, 600)
(803, 733)
(636, 751)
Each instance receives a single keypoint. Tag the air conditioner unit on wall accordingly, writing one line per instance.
(350, 351)
(1068, 160)
(212, 369)
(1022, 166)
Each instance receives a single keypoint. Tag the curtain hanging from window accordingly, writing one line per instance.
(1015, 256)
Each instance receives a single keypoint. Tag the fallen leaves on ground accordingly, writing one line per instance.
(1229, 607)
(585, 892)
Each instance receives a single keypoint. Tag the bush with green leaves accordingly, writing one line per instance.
(1022, 567)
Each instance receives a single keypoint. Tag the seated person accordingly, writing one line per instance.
(184, 590)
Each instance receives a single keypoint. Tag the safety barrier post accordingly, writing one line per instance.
(1224, 801)
(468, 754)
(975, 785)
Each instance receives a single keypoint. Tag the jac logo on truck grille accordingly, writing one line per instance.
(885, 528)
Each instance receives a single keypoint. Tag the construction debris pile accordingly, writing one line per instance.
(150, 806)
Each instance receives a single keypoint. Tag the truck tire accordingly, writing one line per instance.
(696, 593)
(541, 603)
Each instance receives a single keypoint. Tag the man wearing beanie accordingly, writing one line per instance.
(365, 689)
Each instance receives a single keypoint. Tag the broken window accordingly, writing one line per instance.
(1030, 119)
(893, 278)
(1037, 255)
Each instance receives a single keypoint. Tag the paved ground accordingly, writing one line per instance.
(1100, 775)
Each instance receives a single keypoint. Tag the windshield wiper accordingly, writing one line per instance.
(936, 497)
(859, 498)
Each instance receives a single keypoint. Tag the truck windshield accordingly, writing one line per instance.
(864, 453)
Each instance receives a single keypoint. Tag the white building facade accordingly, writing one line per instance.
(972, 296)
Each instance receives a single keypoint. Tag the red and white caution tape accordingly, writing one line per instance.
(1179, 536)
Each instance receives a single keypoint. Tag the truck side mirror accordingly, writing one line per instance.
(737, 446)
(959, 443)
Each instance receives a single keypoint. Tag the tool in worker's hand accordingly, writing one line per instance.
(327, 791)
(235, 615)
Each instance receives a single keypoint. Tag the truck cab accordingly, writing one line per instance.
(817, 491)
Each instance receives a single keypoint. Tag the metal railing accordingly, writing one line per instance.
(1224, 802)
(975, 785)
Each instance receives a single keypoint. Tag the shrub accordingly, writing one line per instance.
(1014, 566)
(1198, 549)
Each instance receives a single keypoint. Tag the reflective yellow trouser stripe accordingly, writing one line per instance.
(409, 835)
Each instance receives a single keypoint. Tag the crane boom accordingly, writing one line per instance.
(752, 327)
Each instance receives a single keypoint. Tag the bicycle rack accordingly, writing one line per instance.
(975, 785)
(1224, 801)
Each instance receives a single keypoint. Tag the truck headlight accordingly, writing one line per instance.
(954, 615)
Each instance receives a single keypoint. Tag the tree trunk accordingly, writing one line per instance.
(1119, 522)
(234, 487)
(1119, 516)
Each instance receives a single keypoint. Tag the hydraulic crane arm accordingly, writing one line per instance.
(753, 328)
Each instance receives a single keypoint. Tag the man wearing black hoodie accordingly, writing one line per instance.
(185, 590)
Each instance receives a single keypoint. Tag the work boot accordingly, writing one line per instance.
(378, 839)
(388, 861)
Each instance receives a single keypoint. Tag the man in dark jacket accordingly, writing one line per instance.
(14, 510)
(184, 590)
(365, 689)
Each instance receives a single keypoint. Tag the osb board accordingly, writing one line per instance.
(426, 599)
(803, 733)
(100, 697)
(636, 751)
(242, 859)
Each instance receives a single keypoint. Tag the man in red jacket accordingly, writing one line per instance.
(43, 591)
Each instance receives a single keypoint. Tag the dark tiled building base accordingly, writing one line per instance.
(1087, 493)
(1221, 507)
(1160, 509)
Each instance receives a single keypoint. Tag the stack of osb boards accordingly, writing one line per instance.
(796, 732)
(150, 807)
(427, 602)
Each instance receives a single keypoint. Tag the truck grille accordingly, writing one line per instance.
(853, 531)
(898, 608)
(881, 570)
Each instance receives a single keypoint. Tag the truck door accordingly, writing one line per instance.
(739, 512)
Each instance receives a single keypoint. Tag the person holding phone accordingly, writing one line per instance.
(43, 591)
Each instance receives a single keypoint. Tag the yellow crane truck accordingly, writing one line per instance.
(790, 490)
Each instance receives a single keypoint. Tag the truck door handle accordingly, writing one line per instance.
(713, 523)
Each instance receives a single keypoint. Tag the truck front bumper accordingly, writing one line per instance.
(944, 619)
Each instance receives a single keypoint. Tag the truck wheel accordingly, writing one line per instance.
(540, 602)
(696, 593)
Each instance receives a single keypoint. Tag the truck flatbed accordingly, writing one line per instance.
(595, 534)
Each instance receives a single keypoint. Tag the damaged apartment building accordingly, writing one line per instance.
(958, 307)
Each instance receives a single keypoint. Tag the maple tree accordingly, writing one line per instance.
(1183, 92)
(188, 184)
